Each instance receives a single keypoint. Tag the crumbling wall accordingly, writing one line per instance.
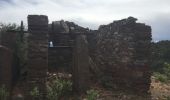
(60, 51)
(37, 54)
(5, 67)
(81, 73)
(61, 36)
(60, 59)
(122, 54)
(9, 40)
(70, 52)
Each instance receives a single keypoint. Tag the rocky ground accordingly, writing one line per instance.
(160, 91)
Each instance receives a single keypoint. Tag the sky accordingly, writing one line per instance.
(92, 13)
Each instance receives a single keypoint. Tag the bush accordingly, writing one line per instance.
(92, 94)
(166, 70)
(57, 88)
(35, 93)
(164, 75)
(161, 77)
(4, 94)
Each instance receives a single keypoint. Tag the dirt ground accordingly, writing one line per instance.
(160, 91)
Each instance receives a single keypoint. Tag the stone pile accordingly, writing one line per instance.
(37, 54)
(123, 53)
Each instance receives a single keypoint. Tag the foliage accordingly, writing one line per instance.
(160, 55)
(166, 70)
(5, 27)
(21, 52)
(160, 77)
(164, 75)
(4, 94)
(161, 60)
(92, 94)
(57, 88)
(168, 98)
(35, 93)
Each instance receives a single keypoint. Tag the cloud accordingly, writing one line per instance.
(91, 13)
(160, 26)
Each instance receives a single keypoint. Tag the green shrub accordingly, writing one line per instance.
(166, 70)
(35, 93)
(92, 94)
(58, 88)
(161, 77)
(4, 94)
(168, 98)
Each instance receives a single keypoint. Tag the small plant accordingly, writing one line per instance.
(168, 98)
(35, 93)
(57, 88)
(161, 77)
(92, 94)
(4, 94)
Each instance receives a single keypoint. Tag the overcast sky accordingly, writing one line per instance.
(92, 13)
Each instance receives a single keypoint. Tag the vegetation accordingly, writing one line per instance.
(4, 94)
(58, 88)
(161, 60)
(35, 93)
(92, 94)
(164, 74)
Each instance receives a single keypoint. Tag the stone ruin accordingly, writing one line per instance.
(37, 54)
(122, 53)
(117, 54)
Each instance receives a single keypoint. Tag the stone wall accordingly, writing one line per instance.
(8, 39)
(60, 53)
(61, 35)
(123, 54)
(60, 59)
(5, 67)
(37, 54)
(120, 52)
(81, 73)
(70, 52)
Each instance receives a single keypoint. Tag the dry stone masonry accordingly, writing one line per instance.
(37, 53)
(69, 52)
(117, 53)
(123, 52)
(81, 74)
(5, 67)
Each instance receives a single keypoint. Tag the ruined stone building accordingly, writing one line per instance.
(117, 54)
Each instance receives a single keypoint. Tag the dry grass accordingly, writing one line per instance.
(160, 91)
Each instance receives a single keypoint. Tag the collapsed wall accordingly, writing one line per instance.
(122, 54)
